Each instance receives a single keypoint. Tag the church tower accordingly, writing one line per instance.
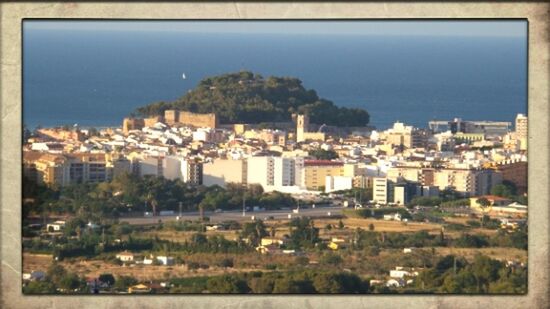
(302, 125)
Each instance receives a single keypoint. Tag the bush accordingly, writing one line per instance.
(226, 262)
(107, 278)
(193, 265)
(471, 241)
(227, 284)
(331, 259)
(473, 223)
(455, 227)
(39, 287)
(123, 282)
(301, 260)
(372, 251)
(425, 201)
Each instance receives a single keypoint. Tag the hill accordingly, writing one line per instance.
(245, 97)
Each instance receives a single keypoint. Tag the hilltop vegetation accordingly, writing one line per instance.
(246, 97)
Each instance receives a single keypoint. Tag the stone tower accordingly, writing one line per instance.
(302, 125)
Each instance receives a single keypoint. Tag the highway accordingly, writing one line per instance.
(216, 217)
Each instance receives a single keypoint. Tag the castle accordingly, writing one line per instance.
(172, 117)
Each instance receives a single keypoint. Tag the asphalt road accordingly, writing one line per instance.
(216, 217)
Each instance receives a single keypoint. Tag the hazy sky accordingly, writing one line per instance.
(515, 28)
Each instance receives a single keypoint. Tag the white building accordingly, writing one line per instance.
(276, 173)
(166, 260)
(125, 256)
(338, 183)
(401, 272)
(202, 134)
(150, 165)
(380, 190)
(262, 171)
(171, 167)
(221, 171)
(56, 226)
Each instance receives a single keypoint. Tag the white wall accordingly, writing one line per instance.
(171, 167)
(220, 172)
(337, 183)
(149, 166)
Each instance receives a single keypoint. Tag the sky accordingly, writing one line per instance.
(491, 28)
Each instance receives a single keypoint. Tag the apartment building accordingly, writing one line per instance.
(469, 182)
(406, 136)
(316, 172)
(514, 171)
(276, 173)
(381, 190)
(522, 130)
(65, 169)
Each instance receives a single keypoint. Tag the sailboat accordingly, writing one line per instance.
(183, 76)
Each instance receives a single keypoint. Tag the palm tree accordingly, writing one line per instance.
(153, 201)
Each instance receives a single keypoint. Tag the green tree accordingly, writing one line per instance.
(321, 154)
(303, 233)
(263, 285)
(254, 232)
(55, 273)
(69, 282)
(505, 189)
(227, 284)
(485, 270)
(39, 287)
(107, 278)
(484, 203)
(122, 283)
(287, 285)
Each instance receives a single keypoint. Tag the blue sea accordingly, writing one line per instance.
(95, 78)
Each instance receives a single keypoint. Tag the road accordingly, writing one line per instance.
(216, 217)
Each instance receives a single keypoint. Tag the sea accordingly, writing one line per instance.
(95, 78)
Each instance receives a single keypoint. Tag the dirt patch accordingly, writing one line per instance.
(503, 254)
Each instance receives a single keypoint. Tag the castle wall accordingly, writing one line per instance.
(198, 120)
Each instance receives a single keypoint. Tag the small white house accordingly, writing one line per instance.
(401, 272)
(147, 261)
(166, 260)
(396, 283)
(125, 256)
(407, 250)
(373, 282)
(396, 217)
(56, 226)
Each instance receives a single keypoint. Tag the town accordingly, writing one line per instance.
(181, 203)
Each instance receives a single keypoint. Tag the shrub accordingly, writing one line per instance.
(226, 262)
(331, 259)
(455, 227)
(301, 260)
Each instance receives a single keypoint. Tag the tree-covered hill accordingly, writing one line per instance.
(245, 97)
